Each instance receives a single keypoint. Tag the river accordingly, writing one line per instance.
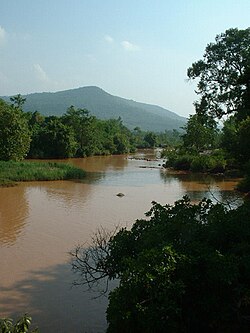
(40, 222)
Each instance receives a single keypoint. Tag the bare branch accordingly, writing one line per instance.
(89, 261)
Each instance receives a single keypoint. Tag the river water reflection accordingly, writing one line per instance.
(40, 222)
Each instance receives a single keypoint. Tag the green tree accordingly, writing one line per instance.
(224, 89)
(14, 133)
(244, 140)
(183, 269)
(117, 138)
(201, 133)
(224, 74)
(17, 101)
(53, 139)
(84, 128)
(235, 139)
(151, 139)
(229, 138)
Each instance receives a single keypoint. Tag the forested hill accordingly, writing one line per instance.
(104, 106)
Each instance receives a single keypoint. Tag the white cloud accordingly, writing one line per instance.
(40, 73)
(2, 35)
(129, 46)
(108, 39)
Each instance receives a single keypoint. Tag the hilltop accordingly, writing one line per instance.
(104, 106)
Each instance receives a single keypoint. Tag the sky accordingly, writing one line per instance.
(136, 49)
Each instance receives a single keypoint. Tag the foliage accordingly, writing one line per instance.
(53, 139)
(184, 269)
(244, 140)
(117, 139)
(244, 184)
(223, 74)
(224, 89)
(14, 133)
(229, 137)
(200, 133)
(146, 139)
(77, 134)
(21, 326)
(178, 160)
(29, 171)
(235, 139)
(82, 124)
(151, 139)
(210, 161)
(17, 101)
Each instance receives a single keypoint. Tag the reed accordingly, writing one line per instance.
(11, 171)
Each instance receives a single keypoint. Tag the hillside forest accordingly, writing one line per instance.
(74, 134)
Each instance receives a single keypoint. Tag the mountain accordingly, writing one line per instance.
(104, 106)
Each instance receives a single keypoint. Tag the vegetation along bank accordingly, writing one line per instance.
(216, 137)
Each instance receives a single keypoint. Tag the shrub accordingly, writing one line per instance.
(199, 164)
(183, 269)
(207, 163)
(21, 326)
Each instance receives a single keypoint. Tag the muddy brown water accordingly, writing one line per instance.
(40, 222)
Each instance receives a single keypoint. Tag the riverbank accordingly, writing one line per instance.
(12, 172)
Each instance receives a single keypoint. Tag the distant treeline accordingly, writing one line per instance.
(75, 134)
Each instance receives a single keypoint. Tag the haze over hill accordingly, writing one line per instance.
(104, 106)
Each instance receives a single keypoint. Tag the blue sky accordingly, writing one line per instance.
(137, 49)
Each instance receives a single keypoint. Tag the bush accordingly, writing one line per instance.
(207, 163)
(21, 326)
(186, 268)
(177, 160)
(183, 162)
(199, 164)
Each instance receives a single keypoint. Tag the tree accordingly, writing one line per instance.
(224, 74)
(14, 133)
(244, 140)
(201, 133)
(183, 269)
(117, 139)
(17, 101)
(53, 139)
(82, 124)
(151, 139)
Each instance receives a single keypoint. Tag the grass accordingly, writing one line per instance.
(11, 172)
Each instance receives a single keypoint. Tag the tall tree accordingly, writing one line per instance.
(14, 133)
(53, 139)
(17, 101)
(201, 133)
(82, 124)
(224, 74)
(151, 139)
